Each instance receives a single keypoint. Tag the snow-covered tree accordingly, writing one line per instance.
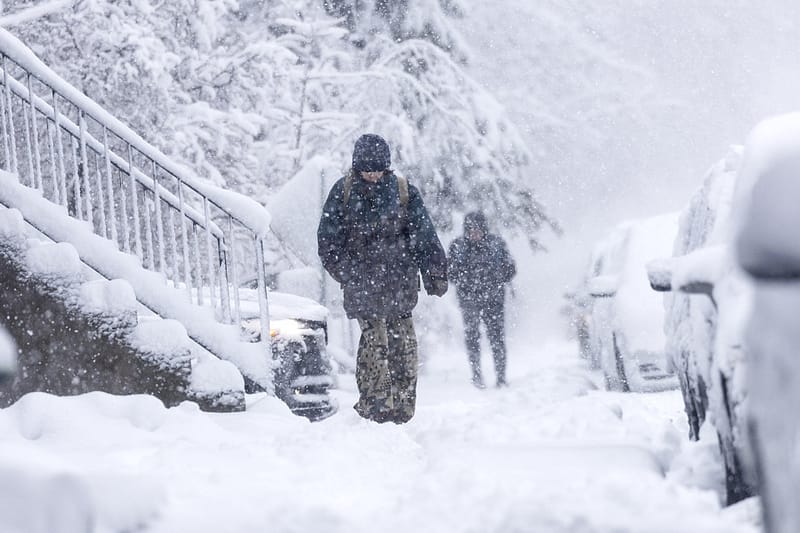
(243, 94)
(401, 20)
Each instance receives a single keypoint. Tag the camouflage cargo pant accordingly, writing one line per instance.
(386, 369)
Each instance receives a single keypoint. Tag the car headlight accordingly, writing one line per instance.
(287, 327)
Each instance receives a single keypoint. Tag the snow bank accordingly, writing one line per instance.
(41, 491)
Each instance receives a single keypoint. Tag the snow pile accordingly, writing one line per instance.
(42, 490)
(209, 373)
(56, 260)
(161, 336)
(108, 297)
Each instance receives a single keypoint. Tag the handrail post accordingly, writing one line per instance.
(37, 154)
(85, 170)
(159, 222)
(185, 242)
(4, 120)
(110, 186)
(100, 196)
(263, 301)
(224, 287)
(137, 238)
(26, 128)
(61, 176)
(209, 253)
(148, 235)
(198, 263)
(10, 116)
(53, 166)
(176, 267)
(234, 274)
(76, 177)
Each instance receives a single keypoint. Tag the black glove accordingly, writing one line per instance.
(436, 287)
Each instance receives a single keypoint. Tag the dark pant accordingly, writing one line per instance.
(386, 369)
(493, 316)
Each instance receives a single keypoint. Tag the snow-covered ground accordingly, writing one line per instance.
(549, 453)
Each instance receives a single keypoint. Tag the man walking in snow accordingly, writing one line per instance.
(375, 238)
(480, 267)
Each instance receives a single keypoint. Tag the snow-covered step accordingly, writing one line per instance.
(77, 334)
(150, 288)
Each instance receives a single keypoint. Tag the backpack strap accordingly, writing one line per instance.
(348, 184)
(402, 187)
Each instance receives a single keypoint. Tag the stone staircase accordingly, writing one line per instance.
(120, 272)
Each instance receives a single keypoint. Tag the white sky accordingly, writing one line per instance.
(714, 70)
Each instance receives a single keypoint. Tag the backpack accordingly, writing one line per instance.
(402, 186)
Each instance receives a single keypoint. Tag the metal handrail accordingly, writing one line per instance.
(62, 143)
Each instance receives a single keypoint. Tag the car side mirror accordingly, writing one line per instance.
(693, 273)
(659, 273)
(602, 286)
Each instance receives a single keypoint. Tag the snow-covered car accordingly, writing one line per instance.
(626, 335)
(298, 330)
(768, 249)
(705, 315)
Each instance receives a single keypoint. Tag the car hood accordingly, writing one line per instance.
(282, 306)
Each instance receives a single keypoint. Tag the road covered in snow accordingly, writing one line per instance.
(550, 453)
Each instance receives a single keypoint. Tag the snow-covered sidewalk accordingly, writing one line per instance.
(550, 453)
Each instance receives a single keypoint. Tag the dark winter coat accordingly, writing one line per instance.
(480, 270)
(376, 248)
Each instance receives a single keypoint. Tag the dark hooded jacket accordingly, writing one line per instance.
(480, 269)
(376, 248)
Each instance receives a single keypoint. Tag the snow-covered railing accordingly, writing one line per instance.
(60, 142)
